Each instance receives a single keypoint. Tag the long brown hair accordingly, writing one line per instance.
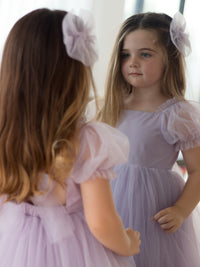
(173, 83)
(43, 95)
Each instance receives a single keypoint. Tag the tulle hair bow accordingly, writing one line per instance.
(178, 34)
(78, 37)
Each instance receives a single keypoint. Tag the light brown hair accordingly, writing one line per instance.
(173, 83)
(43, 96)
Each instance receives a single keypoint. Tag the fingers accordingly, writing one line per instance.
(133, 234)
(171, 230)
(131, 231)
(169, 219)
(137, 234)
(135, 240)
(165, 219)
(167, 226)
(160, 214)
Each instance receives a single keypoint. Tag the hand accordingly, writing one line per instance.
(170, 219)
(135, 241)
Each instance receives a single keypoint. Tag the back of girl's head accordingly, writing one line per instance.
(173, 83)
(43, 94)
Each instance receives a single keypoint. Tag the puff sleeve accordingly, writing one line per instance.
(180, 125)
(100, 148)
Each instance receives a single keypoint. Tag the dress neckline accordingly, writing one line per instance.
(162, 107)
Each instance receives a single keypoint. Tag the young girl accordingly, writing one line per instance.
(145, 100)
(56, 203)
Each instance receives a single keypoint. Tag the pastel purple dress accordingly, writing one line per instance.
(146, 184)
(48, 234)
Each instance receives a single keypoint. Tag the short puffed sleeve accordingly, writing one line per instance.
(101, 147)
(180, 125)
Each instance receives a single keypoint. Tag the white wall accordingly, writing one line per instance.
(108, 16)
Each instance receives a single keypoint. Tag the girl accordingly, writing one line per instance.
(145, 100)
(56, 203)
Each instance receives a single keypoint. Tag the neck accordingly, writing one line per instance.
(145, 99)
(147, 93)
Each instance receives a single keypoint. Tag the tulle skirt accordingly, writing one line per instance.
(139, 193)
(36, 237)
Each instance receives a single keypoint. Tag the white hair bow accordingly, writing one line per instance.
(179, 36)
(78, 37)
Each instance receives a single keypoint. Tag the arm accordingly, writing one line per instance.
(170, 219)
(103, 220)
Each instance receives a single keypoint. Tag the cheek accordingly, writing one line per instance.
(155, 69)
(161, 69)
(124, 69)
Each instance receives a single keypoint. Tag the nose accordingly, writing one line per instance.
(133, 62)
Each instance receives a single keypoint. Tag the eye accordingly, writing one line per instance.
(124, 55)
(145, 55)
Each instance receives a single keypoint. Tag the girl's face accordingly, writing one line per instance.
(142, 61)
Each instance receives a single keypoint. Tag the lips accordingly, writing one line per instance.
(134, 74)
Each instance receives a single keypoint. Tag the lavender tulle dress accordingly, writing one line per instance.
(50, 235)
(147, 184)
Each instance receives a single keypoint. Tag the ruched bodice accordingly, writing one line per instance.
(146, 140)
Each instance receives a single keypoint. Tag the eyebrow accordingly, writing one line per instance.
(141, 49)
(148, 49)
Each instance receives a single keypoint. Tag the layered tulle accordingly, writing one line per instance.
(146, 184)
(103, 147)
(138, 200)
(181, 124)
(25, 241)
(48, 234)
